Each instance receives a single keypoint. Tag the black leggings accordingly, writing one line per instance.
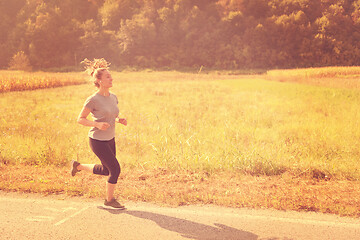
(106, 152)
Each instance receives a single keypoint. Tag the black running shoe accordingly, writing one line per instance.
(113, 203)
(74, 165)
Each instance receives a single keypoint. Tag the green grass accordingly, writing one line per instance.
(205, 122)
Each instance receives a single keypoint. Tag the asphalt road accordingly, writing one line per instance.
(35, 217)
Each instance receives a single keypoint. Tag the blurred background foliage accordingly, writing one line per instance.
(222, 34)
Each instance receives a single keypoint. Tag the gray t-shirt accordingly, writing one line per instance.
(103, 109)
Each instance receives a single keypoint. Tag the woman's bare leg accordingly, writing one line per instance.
(110, 188)
(86, 167)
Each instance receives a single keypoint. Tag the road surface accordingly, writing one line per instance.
(36, 217)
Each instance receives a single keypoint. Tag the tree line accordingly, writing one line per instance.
(225, 34)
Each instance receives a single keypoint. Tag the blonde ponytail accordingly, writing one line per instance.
(95, 68)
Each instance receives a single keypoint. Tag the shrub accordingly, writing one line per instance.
(20, 61)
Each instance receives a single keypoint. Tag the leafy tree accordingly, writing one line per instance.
(8, 13)
(334, 32)
(51, 38)
(113, 11)
(137, 37)
(97, 43)
(255, 8)
(79, 9)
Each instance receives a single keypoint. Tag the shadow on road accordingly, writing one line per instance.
(190, 229)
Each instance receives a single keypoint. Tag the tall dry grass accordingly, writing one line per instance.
(21, 81)
(340, 77)
(323, 72)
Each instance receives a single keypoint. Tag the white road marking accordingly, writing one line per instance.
(60, 211)
(65, 219)
(40, 219)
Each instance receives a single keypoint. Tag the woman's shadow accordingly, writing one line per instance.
(189, 229)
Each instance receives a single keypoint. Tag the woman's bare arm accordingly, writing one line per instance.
(82, 119)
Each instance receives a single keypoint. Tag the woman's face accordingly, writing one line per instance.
(106, 79)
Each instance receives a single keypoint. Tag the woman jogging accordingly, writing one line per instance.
(104, 110)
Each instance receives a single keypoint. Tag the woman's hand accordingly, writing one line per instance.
(122, 121)
(102, 125)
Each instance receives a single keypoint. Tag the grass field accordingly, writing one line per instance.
(206, 128)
